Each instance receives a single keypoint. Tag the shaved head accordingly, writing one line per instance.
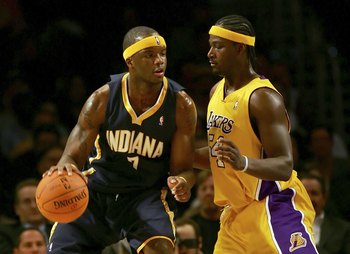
(137, 33)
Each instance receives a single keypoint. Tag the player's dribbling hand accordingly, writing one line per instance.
(69, 167)
(179, 188)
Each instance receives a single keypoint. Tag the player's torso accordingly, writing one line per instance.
(132, 151)
(229, 118)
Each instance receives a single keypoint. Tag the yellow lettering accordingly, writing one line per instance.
(124, 141)
(113, 140)
(131, 141)
(137, 144)
(148, 147)
(159, 150)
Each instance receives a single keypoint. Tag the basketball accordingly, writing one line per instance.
(62, 198)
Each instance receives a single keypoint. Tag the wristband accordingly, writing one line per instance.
(246, 164)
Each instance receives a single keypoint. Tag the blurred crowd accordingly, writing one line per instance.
(48, 67)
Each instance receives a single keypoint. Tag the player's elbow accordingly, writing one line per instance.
(288, 169)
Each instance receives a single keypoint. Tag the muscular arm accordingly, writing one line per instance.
(201, 155)
(267, 111)
(182, 176)
(182, 148)
(201, 158)
(83, 135)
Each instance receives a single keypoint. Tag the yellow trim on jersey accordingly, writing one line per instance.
(89, 171)
(139, 249)
(167, 209)
(53, 228)
(138, 119)
(232, 36)
(98, 150)
(151, 41)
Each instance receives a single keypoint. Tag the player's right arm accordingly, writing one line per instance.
(201, 155)
(82, 137)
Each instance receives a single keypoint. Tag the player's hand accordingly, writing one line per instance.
(69, 167)
(228, 152)
(179, 188)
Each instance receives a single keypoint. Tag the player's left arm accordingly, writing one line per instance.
(182, 148)
(268, 109)
(268, 114)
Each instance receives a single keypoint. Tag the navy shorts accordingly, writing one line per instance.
(138, 216)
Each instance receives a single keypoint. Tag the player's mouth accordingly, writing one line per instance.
(159, 73)
(213, 63)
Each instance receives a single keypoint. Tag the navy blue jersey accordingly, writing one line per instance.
(133, 152)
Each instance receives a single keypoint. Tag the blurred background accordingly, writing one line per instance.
(55, 53)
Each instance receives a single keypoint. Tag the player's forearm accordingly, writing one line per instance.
(189, 176)
(201, 158)
(77, 148)
(275, 169)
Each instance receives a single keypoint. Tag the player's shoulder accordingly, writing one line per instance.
(101, 92)
(111, 85)
(99, 98)
(213, 89)
(183, 100)
(116, 78)
(175, 86)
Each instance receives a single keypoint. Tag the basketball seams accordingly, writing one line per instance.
(62, 200)
(64, 194)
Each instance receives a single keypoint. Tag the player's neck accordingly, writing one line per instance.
(239, 78)
(143, 95)
(139, 87)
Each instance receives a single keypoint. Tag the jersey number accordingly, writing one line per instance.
(134, 161)
(219, 163)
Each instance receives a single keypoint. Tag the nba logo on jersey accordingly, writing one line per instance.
(236, 105)
(297, 241)
(157, 40)
(161, 120)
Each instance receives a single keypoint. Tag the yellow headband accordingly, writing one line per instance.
(151, 41)
(232, 36)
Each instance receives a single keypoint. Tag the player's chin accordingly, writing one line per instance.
(216, 71)
(184, 198)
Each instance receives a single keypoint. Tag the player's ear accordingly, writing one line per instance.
(241, 47)
(128, 62)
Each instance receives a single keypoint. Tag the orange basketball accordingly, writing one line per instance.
(62, 198)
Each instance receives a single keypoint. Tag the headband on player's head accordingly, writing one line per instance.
(151, 41)
(232, 36)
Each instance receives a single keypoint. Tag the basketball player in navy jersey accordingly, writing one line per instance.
(137, 132)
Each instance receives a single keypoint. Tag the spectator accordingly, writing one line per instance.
(30, 240)
(28, 215)
(48, 114)
(6, 210)
(335, 171)
(321, 142)
(24, 165)
(332, 234)
(48, 157)
(16, 116)
(188, 237)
